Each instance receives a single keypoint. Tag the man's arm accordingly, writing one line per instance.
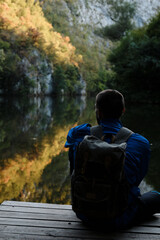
(74, 137)
(137, 158)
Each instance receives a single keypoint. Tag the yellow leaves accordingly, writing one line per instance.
(5, 7)
(26, 19)
(8, 19)
(28, 167)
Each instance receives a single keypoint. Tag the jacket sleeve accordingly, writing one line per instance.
(74, 137)
(137, 158)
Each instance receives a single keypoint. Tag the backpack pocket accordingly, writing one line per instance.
(92, 192)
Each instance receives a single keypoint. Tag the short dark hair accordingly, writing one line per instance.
(111, 103)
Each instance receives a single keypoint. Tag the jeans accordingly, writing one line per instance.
(149, 204)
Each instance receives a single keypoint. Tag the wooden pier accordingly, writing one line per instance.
(26, 220)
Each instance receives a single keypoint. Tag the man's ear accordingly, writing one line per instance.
(99, 114)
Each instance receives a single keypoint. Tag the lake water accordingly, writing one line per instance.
(33, 161)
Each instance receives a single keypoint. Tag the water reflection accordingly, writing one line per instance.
(33, 161)
(32, 153)
(144, 119)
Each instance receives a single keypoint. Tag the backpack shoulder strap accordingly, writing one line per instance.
(97, 131)
(123, 135)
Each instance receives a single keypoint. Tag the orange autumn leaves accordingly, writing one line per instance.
(25, 20)
(26, 169)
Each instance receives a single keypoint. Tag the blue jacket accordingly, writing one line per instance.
(136, 163)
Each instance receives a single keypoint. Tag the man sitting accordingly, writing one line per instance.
(109, 108)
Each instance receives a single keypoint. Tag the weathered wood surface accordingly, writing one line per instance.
(26, 220)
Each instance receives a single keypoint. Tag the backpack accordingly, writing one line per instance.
(99, 189)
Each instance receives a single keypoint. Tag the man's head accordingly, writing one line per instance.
(109, 104)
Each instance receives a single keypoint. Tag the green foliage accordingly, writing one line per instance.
(4, 44)
(116, 31)
(94, 53)
(2, 59)
(71, 78)
(136, 62)
(59, 76)
(153, 29)
(65, 79)
(9, 72)
(121, 13)
(12, 78)
(97, 81)
(94, 64)
(72, 6)
(58, 18)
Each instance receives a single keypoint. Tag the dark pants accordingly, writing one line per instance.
(149, 204)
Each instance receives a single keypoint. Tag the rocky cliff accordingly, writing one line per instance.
(95, 12)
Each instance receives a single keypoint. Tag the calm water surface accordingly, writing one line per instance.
(33, 161)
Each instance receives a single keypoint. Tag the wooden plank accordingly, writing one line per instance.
(11, 236)
(36, 205)
(56, 233)
(108, 236)
(68, 225)
(63, 226)
(141, 229)
(73, 234)
(154, 221)
(27, 207)
(46, 205)
(36, 210)
(2, 228)
(39, 216)
(41, 223)
(54, 214)
(17, 236)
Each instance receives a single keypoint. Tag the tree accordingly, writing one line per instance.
(121, 13)
(136, 62)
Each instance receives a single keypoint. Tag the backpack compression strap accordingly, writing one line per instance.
(122, 135)
(97, 131)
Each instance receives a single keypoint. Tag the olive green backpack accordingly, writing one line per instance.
(99, 189)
